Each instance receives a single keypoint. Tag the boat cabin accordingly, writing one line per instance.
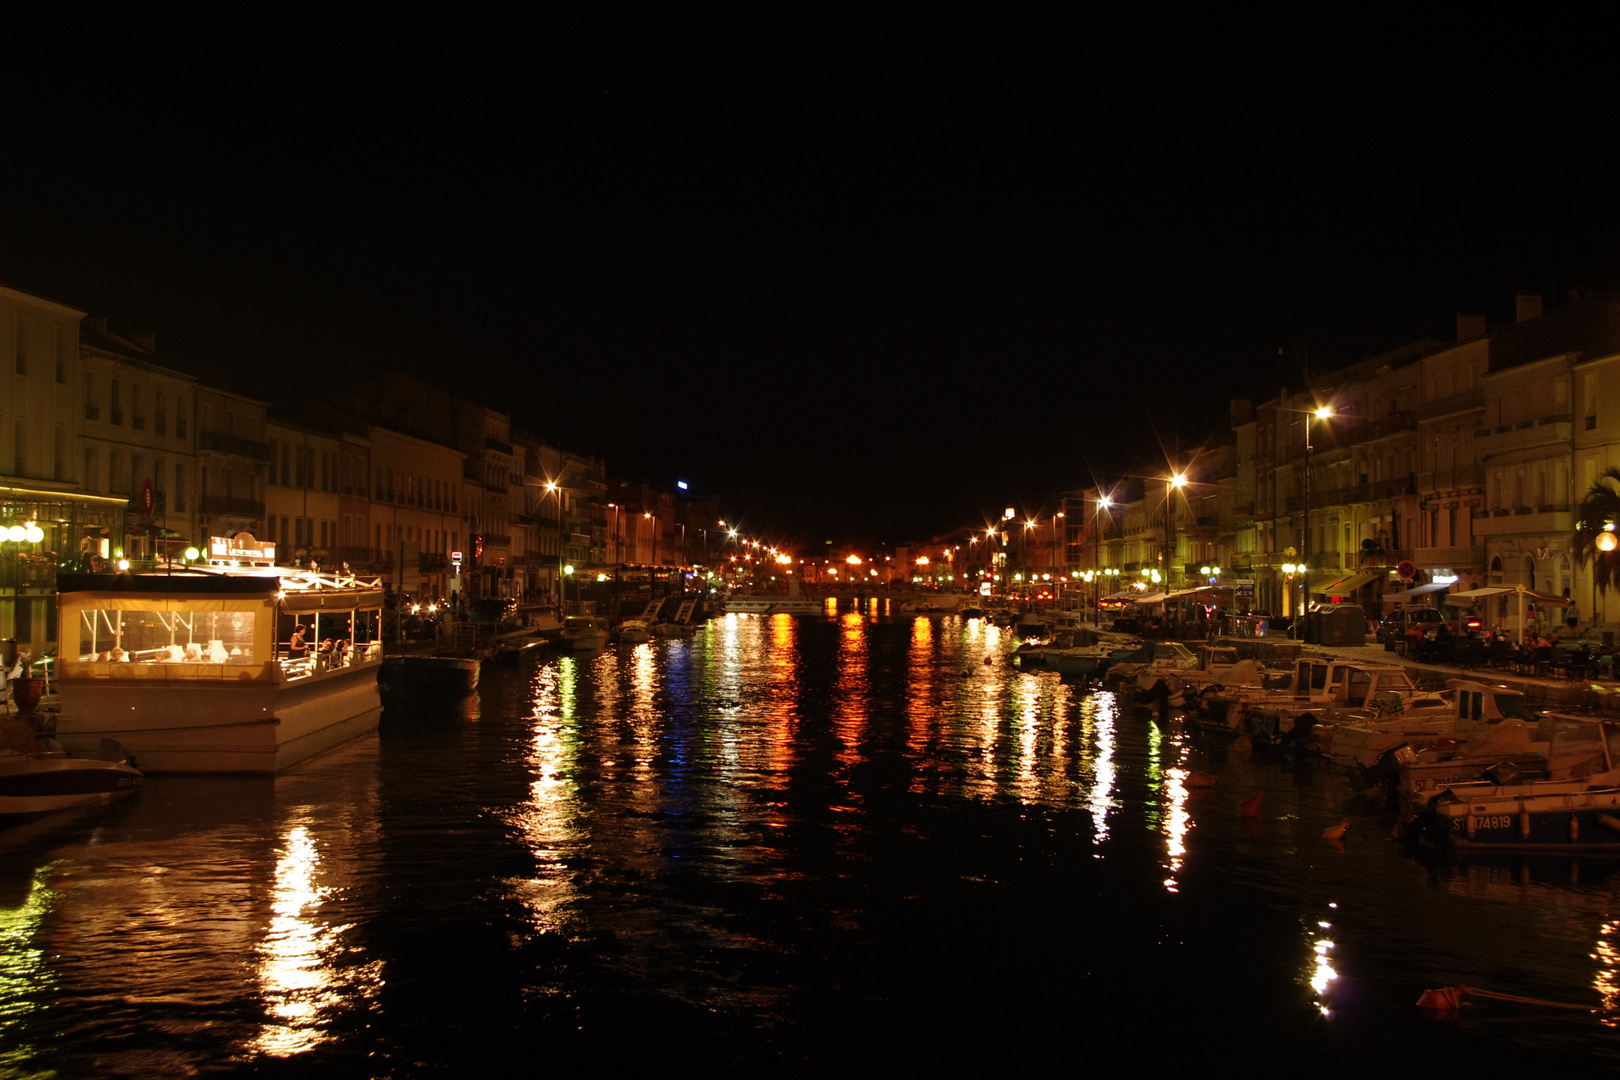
(218, 671)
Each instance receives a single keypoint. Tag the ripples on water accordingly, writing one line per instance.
(843, 842)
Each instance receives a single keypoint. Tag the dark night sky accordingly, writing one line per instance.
(856, 277)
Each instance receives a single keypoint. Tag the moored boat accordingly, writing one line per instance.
(584, 633)
(49, 780)
(415, 682)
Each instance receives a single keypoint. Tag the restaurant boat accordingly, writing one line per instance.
(201, 671)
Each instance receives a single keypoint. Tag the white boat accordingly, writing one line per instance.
(1470, 715)
(50, 780)
(199, 672)
(773, 605)
(634, 631)
(584, 633)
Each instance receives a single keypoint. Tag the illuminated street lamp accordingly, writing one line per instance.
(1322, 412)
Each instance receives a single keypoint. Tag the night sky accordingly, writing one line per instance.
(858, 278)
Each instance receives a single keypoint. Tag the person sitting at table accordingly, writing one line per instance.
(194, 653)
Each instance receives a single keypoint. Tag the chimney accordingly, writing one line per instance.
(146, 339)
(1527, 306)
(1470, 324)
(96, 323)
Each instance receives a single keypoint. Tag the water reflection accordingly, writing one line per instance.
(25, 977)
(297, 955)
(1607, 979)
(1322, 973)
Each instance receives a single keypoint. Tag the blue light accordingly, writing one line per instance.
(681, 484)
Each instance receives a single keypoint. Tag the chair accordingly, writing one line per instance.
(1541, 660)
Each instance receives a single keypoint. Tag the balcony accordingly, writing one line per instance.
(1384, 426)
(231, 444)
(497, 540)
(228, 504)
(1460, 559)
(1467, 401)
(1527, 433)
(498, 446)
(1463, 476)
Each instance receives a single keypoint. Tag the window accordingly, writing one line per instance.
(137, 418)
(137, 472)
(160, 419)
(1589, 390)
(117, 479)
(91, 410)
(158, 488)
(20, 449)
(115, 411)
(92, 478)
(272, 476)
(179, 421)
(179, 487)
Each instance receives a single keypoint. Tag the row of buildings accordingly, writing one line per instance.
(107, 454)
(1439, 465)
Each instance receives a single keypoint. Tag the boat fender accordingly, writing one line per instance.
(1469, 824)
(1609, 821)
(1574, 828)
(1524, 821)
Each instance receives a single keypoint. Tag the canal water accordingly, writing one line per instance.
(858, 843)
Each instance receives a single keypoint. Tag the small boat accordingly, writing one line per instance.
(49, 780)
(634, 631)
(583, 633)
(415, 682)
(772, 605)
(672, 630)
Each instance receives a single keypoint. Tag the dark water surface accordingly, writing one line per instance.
(801, 844)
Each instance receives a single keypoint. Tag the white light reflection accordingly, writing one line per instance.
(1322, 974)
(1102, 711)
(1607, 978)
(1171, 816)
(549, 821)
(296, 959)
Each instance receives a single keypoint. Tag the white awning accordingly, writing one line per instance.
(1419, 590)
(1190, 592)
(1151, 598)
(1471, 595)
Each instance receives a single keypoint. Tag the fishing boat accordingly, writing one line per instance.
(408, 683)
(634, 631)
(209, 670)
(49, 780)
(584, 633)
(1469, 715)
(1580, 813)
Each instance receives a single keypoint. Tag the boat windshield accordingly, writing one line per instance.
(113, 636)
(1512, 707)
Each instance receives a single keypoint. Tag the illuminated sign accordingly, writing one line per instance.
(681, 484)
(455, 558)
(241, 546)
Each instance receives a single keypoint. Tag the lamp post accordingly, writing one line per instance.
(553, 487)
(1321, 413)
(1103, 503)
(1172, 484)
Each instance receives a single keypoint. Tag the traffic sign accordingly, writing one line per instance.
(1407, 569)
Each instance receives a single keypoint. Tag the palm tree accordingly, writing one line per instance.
(1598, 514)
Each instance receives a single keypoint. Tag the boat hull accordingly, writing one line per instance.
(1570, 821)
(247, 726)
(413, 681)
(44, 785)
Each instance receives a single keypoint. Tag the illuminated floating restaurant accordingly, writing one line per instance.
(235, 666)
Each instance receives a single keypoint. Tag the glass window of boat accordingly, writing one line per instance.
(165, 637)
(1511, 706)
(1357, 685)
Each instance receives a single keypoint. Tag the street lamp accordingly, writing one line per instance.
(555, 489)
(1173, 483)
(1103, 503)
(1322, 412)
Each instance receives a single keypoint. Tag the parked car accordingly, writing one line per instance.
(1392, 631)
